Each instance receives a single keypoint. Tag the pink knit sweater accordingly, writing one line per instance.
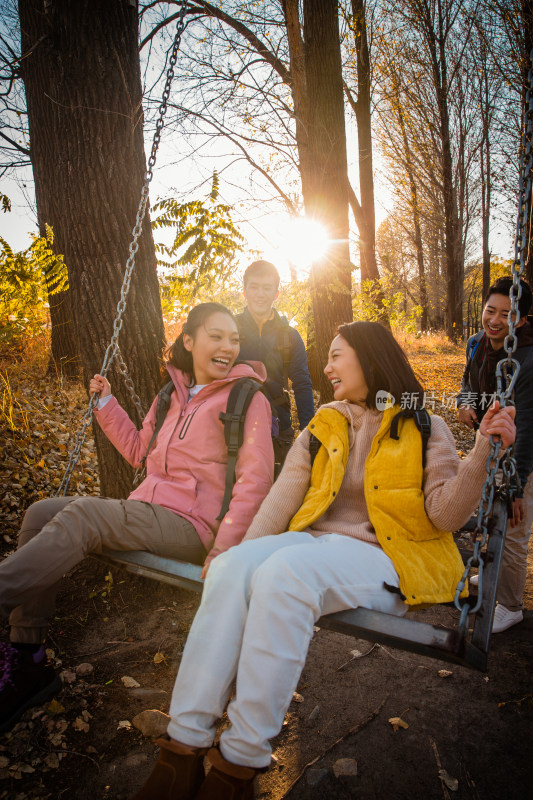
(452, 487)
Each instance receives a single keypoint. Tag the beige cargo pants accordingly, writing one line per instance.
(513, 571)
(59, 532)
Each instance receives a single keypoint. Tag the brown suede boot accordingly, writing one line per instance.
(227, 781)
(177, 775)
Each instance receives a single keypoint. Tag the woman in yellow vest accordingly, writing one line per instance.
(368, 525)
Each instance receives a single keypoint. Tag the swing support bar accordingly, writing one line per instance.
(401, 632)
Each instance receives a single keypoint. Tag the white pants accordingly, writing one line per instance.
(259, 605)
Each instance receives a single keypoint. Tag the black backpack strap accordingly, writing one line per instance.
(239, 400)
(163, 404)
(284, 344)
(422, 422)
(471, 352)
(314, 447)
(474, 344)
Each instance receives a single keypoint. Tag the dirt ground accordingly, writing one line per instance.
(469, 734)
(476, 727)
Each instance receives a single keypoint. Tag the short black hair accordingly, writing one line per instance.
(503, 286)
(260, 266)
(385, 365)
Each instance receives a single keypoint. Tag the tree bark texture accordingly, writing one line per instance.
(415, 211)
(64, 352)
(369, 267)
(84, 99)
(527, 19)
(325, 189)
(437, 46)
(485, 172)
(298, 83)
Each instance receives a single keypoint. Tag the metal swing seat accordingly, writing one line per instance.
(461, 645)
(468, 648)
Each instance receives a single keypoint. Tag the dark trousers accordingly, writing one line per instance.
(282, 444)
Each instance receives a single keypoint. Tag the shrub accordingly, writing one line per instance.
(27, 278)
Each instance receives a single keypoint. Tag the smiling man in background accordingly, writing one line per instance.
(483, 351)
(267, 336)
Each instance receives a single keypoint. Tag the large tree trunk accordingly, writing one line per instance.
(83, 87)
(367, 232)
(415, 209)
(486, 181)
(299, 88)
(64, 352)
(325, 187)
(454, 316)
(527, 19)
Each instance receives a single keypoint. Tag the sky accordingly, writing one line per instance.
(265, 225)
(273, 234)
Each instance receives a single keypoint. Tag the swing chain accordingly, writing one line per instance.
(112, 351)
(129, 384)
(75, 453)
(507, 371)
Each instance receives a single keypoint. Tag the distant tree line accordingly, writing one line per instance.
(312, 96)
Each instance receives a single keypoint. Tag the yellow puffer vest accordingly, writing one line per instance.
(426, 559)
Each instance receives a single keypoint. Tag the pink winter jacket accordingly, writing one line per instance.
(186, 467)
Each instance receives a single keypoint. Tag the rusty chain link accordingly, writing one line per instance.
(506, 374)
(112, 351)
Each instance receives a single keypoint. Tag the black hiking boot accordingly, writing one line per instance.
(25, 681)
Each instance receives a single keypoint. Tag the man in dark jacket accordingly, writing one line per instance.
(478, 386)
(266, 336)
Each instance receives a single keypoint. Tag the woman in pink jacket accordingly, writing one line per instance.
(172, 513)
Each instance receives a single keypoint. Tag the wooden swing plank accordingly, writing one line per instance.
(400, 632)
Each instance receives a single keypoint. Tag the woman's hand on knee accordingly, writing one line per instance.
(99, 384)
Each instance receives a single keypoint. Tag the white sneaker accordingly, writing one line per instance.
(474, 580)
(504, 618)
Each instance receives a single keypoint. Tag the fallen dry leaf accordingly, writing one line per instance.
(129, 682)
(397, 723)
(444, 673)
(57, 738)
(151, 722)
(84, 669)
(55, 707)
(298, 698)
(52, 761)
(451, 782)
(159, 657)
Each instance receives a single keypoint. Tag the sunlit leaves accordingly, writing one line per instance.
(27, 278)
(203, 252)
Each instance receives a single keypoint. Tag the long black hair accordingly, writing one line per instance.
(383, 362)
(178, 356)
